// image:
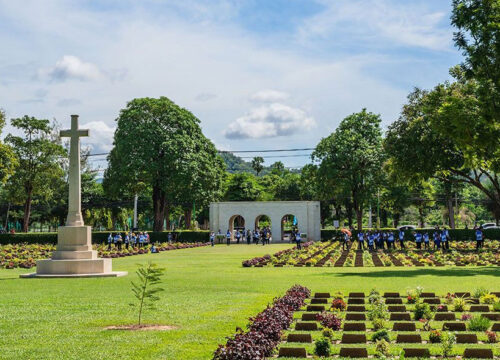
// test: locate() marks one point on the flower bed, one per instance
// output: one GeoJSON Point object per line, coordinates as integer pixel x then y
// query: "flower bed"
{"type": "Point", "coordinates": [26, 255]}
{"type": "Point", "coordinates": [330, 254]}
{"type": "Point", "coordinates": [264, 330]}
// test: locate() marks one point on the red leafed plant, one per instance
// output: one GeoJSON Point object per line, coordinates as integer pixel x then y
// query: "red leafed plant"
{"type": "Point", "coordinates": [329, 320]}
{"type": "Point", "coordinates": [339, 304]}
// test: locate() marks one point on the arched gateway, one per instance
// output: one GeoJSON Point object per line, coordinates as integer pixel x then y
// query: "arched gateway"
{"type": "Point", "coordinates": [306, 216]}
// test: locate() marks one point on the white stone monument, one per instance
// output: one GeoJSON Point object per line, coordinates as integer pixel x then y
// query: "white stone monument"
{"type": "Point", "coordinates": [74, 256]}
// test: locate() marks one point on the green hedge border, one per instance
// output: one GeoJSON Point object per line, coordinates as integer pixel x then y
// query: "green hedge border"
{"type": "Point", "coordinates": [457, 234]}
{"type": "Point", "coordinates": [102, 237]}
{"type": "Point", "coordinates": [204, 236]}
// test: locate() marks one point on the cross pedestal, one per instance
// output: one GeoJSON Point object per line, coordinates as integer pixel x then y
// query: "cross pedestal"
{"type": "Point", "coordinates": [74, 256]}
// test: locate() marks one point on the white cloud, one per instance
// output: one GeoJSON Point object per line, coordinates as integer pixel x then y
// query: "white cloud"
{"type": "Point", "coordinates": [270, 120]}
{"type": "Point", "coordinates": [100, 136]}
{"type": "Point", "coordinates": [269, 96]}
{"type": "Point", "coordinates": [71, 67]}
{"type": "Point", "coordinates": [379, 23]}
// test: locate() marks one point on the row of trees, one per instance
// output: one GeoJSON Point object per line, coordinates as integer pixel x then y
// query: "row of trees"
{"type": "Point", "coordinates": [441, 155]}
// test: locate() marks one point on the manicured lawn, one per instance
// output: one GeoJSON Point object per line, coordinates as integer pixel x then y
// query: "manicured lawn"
{"type": "Point", "coordinates": [207, 295]}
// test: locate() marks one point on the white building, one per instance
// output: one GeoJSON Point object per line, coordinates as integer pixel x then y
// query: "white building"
{"type": "Point", "coordinates": [248, 214]}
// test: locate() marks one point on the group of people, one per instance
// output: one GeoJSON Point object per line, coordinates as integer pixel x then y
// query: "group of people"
{"type": "Point", "coordinates": [375, 239]}
{"type": "Point", "coordinates": [258, 236]}
{"type": "Point", "coordinates": [263, 236]}
{"type": "Point", "coordinates": [128, 239]}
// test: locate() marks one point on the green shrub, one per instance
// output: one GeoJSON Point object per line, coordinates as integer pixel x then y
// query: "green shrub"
{"type": "Point", "coordinates": [447, 341]}
{"type": "Point", "coordinates": [322, 347]}
{"type": "Point", "coordinates": [422, 311]}
{"type": "Point", "coordinates": [496, 306]}
{"type": "Point", "coordinates": [378, 324]}
{"type": "Point", "coordinates": [478, 323]}
{"type": "Point", "coordinates": [377, 310]}
{"type": "Point", "coordinates": [459, 304]}
{"type": "Point", "coordinates": [327, 333]}
{"type": "Point", "coordinates": [381, 334]}
{"type": "Point", "coordinates": [435, 336]}
{"type": "Point", "coordinates": [480, 292]}
{"type": "Point", "coordinates": [489, 299]}
{"type": "Point", "coordinates": [382, 348]}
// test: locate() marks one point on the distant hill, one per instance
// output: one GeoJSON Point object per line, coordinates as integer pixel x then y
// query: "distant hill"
{"type": "Point", "coordinates": [235, 164]}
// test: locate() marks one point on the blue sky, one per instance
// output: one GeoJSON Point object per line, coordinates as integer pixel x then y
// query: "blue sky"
{"type": "Point", "coordinates": [259, 74]}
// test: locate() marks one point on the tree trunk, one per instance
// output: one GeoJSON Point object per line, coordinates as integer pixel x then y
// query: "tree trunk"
{"type": "Point", "coordinates": [7, 218]}
{"type": "Point", "coordinates": [349, 213]}
{"type": "Point", "coordinates": [27, 208]}
{"type": "Point", "coordinates": [383, 217]}
{"type": "Point", "coordinates": [451, 213]}
{"type": "Point", "coordinates": [167, 216]}
{"type": "Point", "coordinates": [359, 217]}
{"type": "Point", "coordinates": [187, 217]}
{"type": "Point", "coordinates": [420, 217]}
{"type": "Point", "coordinates": [395, 219]}
{"type": "Point", "coordinates": [158, 208]}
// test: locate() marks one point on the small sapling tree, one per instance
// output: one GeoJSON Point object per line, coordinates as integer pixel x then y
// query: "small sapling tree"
{"type": "Point", "coordinates": [145, 289]}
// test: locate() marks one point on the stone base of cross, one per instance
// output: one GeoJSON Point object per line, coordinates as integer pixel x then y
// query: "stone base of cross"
{"type": "Point", "coordinates": [74, 256]}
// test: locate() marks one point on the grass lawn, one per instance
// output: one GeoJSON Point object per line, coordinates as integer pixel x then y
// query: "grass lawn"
{"type": "Point", "coordinates": [207, 295]}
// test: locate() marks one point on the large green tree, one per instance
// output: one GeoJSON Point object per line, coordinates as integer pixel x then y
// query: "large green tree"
{"type": "Point", "coordinates": [478, 36]}
{"type": "Point", "coordinates": [160, 145]}
{"type": "Point", "coordinates": [8, 159]}
{"type": "Point", "coordinates": [38, 163]}
{"type": "Point", "coordinates": [351, 158]}
{"type": "Point", "coordinates": [425, 142]}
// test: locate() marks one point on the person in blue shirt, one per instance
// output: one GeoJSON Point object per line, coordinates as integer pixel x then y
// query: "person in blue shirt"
{"type": "Point", "coordinates": [361, 241]}
{"type": "Point", "coordinates": [444, 241]}
{"type": "Point", "coordinates": [401, 239]}
{"type": "Point", "coordinates": [371, 241]}
{"type": "Point", "coordinates": [133, 240]}
{"type": "Point", "coordinates": [126, 240]}
{"type": "Point", "coordinates": [390, 240]}
{"type": "Point", "coordinates": [380, 240]}
{"type": "Point", "coordinates": [345, 241]}
{"type": "Point", "coordinates": [238, 236]}
{"type": "Point", "coordinates": [426, 240]}
{"type": "Point", "coordinates": [437, 238]}
{"type": "Point", "coordinates": [446, 237]}
{"type": "Point", "coordinates": [212, 238]}
{"type": "Point", "coordinates": [418, 240]}
{"type": "Point", "coordinates": [228, 237]}
{"type": "Point", "coordinates": [298, 239]}
{"type": "Point", "coordinates": [110, 240]}
{"type": "Point", "coordinates": [479, 238]}
{"type": "Point", "coordinates": [256, 236]}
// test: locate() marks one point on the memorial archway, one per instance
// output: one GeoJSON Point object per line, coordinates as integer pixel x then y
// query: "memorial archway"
{"type": "Point", "coordinates": [262, 221]}
{"type": "Point", "coordinates": [289, 224]}
{"type": "Point", "coordinates": [306, 213]}
{"type": "Point", "coordinates": [236, 222]}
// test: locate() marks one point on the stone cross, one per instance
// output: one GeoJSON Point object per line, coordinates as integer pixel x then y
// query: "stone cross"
{"type": "Point", "coordinates": [75, 196]}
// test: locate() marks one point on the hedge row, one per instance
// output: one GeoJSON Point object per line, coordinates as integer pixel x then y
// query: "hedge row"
{"type": "Point", "coordinates": [102, 237]}
{"type": "Point", "coordinates": [457, 234]}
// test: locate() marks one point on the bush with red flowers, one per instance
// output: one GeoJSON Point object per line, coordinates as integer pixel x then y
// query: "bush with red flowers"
{"type": "Point", "coordinates": [339, 304]}
{"type": "Point", "coordinates": [264, 331]}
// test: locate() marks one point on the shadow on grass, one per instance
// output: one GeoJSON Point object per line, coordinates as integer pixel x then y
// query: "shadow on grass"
{"type": "Point", "coordinates": [421, 272]}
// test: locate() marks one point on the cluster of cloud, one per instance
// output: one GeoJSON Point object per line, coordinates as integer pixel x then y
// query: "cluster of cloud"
{"type": "Point", "coordinates": [381, 23]}
{"type": "Point", "coordinates": [71, 67]}
{"type": "Point", "coordinates": [270, 119]}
